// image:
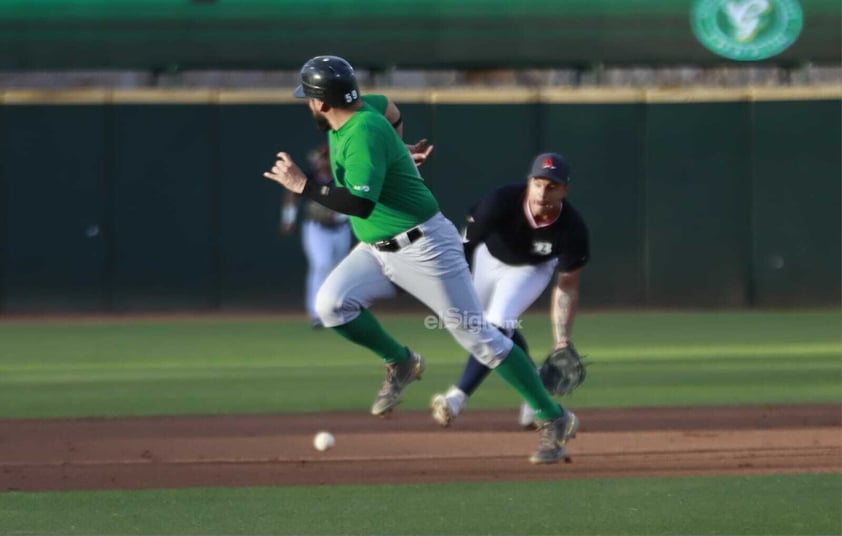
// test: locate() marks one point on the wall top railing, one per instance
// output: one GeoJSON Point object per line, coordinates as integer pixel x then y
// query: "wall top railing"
{"type": "Point", "coordinates": [454, 95]}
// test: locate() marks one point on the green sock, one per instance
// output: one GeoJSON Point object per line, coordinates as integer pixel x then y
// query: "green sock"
{"type": "Point", "coordinates": [366, 331]}
{"type": "Point", "coordinates": [519, 372]}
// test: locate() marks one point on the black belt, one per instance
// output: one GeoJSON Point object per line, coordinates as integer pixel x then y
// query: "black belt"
{"type": "Point", "coordinates": [399, 241]}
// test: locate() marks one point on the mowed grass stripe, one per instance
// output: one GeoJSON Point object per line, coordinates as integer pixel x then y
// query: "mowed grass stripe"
{"type": "Point", "coordinates": [733, 505]}
{"type": "Point", "coordinates": [630, 354]}
{"type": "Point", "coordinates": [726, 361]}
{"type": "Point", "coordinates": [272, 390]}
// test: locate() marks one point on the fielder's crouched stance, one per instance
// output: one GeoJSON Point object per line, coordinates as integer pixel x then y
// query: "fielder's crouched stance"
{"type": "Point", "coordinates": [517, 237]}
{"type": "Point", "coordinates": [404, 242]}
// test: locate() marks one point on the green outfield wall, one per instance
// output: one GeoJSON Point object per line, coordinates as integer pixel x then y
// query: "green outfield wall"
{"type": "Point", "coordinates": [381, 34]}
{"type": "Point", "coordinates": [143, 200]}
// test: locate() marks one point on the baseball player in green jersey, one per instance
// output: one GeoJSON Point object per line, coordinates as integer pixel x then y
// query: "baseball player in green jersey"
{"type": "Point", "coordinates": [325, 234]}
{"type": "Point", "coordinates": [405, 242]}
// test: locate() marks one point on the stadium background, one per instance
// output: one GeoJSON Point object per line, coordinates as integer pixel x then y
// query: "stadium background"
{"type": "Point", "coordinates": [150, 198]}
{"type": "Point", "coordinates": [132, 137]}
{"type": "Point", "coordinates": [160, 34]}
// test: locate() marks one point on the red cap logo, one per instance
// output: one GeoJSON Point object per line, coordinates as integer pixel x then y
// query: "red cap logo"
{"type": "Point", "coordinates": [548, 163]}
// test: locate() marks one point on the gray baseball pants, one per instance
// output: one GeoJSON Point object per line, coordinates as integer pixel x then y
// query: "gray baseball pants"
{"type": "Point", "coordinates": [434, 270]}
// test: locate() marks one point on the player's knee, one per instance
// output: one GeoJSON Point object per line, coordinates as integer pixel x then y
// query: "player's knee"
{"type": "Point", "coordinates": [492, 350]}
{"type": "Point", "coordinates": [336, 307]}
{"type": "Point", "coordinates": [329, 307]}
{"type": "Point", "coordinates": [509, 329]}
{"type": "Point", "coordinates": [506, 326]}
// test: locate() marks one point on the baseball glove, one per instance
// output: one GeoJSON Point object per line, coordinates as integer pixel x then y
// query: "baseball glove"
{"type": "Point", "coordinates": [562, 371]}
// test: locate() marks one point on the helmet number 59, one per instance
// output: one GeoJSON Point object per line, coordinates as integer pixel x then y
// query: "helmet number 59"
{"type": "Point", "coordinates": [352, 96]}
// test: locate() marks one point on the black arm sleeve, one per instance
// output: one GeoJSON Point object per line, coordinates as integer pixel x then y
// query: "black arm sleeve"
{"type": "Point", "coordinates": [338, 199]}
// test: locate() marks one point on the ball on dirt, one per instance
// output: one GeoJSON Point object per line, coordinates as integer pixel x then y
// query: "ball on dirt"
{"type": "Point", "coordinates": [323, 441]}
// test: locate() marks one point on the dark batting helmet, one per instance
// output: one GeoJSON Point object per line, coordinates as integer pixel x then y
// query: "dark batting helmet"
{"type": "Point", "coordinates": [330, 79]}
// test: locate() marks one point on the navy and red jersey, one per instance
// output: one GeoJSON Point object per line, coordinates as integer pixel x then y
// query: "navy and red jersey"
{"type": "Point", "coordinates": [500, 220]}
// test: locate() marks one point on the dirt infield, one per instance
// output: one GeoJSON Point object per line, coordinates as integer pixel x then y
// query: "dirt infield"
{"type": "Point", "coordinates": [175, 452]}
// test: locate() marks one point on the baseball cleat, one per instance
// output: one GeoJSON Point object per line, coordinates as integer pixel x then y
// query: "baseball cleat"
{"type": "Point", "coordinates": [441, 410]}
{"type": "Point", "coordinates": [398, 376]}
{"type": "Point", "coordinates": [447, 406]}
{"type": "Point", "coordinates": [553, 438]}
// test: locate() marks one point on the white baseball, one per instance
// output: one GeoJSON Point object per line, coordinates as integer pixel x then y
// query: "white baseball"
{"type": "Point", "coordinates": [323, 441]}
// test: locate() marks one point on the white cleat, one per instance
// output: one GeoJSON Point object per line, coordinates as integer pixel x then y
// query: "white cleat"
{"type": "Point", "coordinates": [447, 406]}
{"type": "Point", "coordinates": [441, 410]}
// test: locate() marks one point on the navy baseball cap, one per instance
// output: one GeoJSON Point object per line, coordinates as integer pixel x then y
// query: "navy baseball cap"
{"type": "Point", "coordinates": [551, 166]}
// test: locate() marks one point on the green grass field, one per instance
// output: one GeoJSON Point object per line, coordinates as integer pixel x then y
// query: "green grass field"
{"type": "Point", "coordinates": [215, 366]}
{"type": "Point", "coordinates": [258, 366]}
{"type": "Point", "coordinates": [771, 505]}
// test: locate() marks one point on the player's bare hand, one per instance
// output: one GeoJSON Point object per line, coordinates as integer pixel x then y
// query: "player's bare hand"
{"type": "Point", "coordinates": [286, 173]}
{"type": "Point", "coordinates": [420, 151]}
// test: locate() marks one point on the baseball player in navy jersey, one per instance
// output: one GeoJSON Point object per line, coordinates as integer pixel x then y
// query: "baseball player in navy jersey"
{"type": "Point", "coordinates": [518, 236]}
{"type": "Point", "coordinates": [404, 242]}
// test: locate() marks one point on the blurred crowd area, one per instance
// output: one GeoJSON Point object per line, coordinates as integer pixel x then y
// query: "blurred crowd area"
{"type": "Point", "coordinates": [673, 76]}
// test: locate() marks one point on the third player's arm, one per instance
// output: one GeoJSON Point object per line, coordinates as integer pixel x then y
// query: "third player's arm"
{"type": "Point", "coordinates": [565, 301]}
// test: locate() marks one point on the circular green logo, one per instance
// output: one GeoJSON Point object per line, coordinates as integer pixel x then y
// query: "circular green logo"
{"type": "Point", "coordinates": [747, 30]}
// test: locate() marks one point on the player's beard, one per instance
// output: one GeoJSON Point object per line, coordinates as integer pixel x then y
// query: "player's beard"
{"type": "Point", "coordinates": [543, 210]}
{"type": "Point", "coordinates": [321, 121]}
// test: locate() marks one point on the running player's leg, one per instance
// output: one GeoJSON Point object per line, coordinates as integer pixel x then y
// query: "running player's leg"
{"type": "Point", "coordinates": [433, 269]}
{"type": "Point", "coordinates": [450, 404]}
{"type": "Point", "coordinates": [343, 303]}
{"type": "Point", "coordinates": [485, 278]}
{"type": "Point", "coordinates": [515, 289]}
{"type": "Point", "coordinates": [475, 372]}
{"type": "Point", "coordinates": [343, 300]}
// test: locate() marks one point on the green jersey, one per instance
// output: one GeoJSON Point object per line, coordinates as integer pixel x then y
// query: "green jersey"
{"type": "Point", "coordinates": [369, 159]}
{"type": "Point", "coordinates": [378, 102]}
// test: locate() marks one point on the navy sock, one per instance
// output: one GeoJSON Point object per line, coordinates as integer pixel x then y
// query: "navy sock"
{"type": "Point", "coordinates": [475, 372]}
{"type": "Point", "coordinates": [472, 376]}
{"type": "Point", "coordinates": [517, 338]}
